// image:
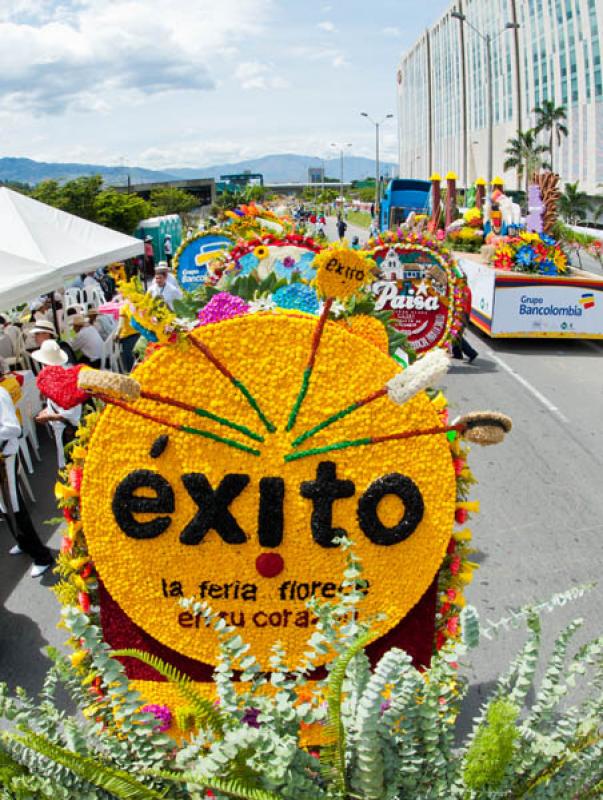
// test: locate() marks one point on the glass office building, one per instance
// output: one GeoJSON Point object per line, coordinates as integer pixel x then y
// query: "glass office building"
{"type": "Point", "coordinates": [554, 54]}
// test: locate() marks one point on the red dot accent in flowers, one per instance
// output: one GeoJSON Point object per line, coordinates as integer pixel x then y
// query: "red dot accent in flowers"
{"type": "Point", "coordinates": [269, 565]}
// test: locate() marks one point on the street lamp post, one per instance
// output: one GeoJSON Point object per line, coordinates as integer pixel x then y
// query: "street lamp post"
{"type": "Point", "coordinates": [341, 148]}
{"type": "Point", "coordinates": [377, 169]}
{"type": "Point", "coordinates": [488, 39]}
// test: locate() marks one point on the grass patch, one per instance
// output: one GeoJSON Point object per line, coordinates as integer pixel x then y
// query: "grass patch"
{"type": "Point", "coordinates": [360, 218]}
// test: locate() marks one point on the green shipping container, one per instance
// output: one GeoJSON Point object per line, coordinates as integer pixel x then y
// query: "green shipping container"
{"type": "Point", "coordinates": [157, 228]}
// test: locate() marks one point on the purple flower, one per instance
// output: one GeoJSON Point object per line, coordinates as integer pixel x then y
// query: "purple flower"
{"type": "Point", "coordinates": [385, 705]}
{"type": "Point", "coordinates": [289, 262]}
{"type": "Point", "coordinates": [250, 717]}
{"type": "Point", "coordinates": [162, 714]}
{"type": "Point", "coordinates": [222, 306]}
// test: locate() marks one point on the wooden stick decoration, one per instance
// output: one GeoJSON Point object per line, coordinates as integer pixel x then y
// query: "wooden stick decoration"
{"type": "Point", "coordinates": [318, 331]}
{"type": "Point", "coordinates": [203, 348]}
{"type": "Point", "coordinates": [183, 428]}
{"type": "Point", "coordinates": [424, 372]}
{"type": "Point", "coordinates": [202, 412]}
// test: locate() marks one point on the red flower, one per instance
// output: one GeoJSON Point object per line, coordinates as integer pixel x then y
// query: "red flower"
{"type": "Point", "coordinates": [451, 547]}
{"type": "Point", "coordinates": [455, 565]}
{"type": "Point", "coordinates": [461, 515]}
{"type": "Point", "coordinates": [84, 601]}
{"type": "Point", "coordinates": [66, 545]}
{"type": "Point", "coordinates": [440, 640]}
{"type": "Point", "coordinates": [445, 609]}
{"type": "Point", "coordinates": [67, 515]}
{"type": "Point", "coordinates": [452, 625]}
{"type": "Point", "coordinates": [87, 571]}
{"type": "Point", "coordinates": [459, 465]}
{"type": "Point", "coordinates": [451, 594]}
{"type": "Point", "coordinates": [75, 478]}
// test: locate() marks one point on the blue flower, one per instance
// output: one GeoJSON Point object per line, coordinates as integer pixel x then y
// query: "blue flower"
{"type": "Point", "coordinates": [525, 256]}
{"type": "Point", "coordinates": [546, 239]}
{"type": "Point", "coordinates": [547, 268]}
{"type": "Point", "coordinates": [297, 296]}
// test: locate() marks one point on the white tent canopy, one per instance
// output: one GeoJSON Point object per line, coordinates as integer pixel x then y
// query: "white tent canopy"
{"type": "Point", "coordinates": [41, 247]}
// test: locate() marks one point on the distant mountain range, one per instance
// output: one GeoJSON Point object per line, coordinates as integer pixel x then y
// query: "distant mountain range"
{"type": "Point", "coordinates": [275, 169]}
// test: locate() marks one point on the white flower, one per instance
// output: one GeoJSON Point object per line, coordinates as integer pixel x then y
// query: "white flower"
{"type": "Point", "coordinates": [426, 371]}
{"type": "Point", "coordinates": [261, 304]}
{"type": "Point", "coordinates": [337, 308]}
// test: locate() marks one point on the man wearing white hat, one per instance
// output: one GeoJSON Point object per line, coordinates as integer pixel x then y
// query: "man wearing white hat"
{"type": "Point", "coordinates": [44, 331]}
{"type": "Point", "coordinates": [162, 287]}
{"type": "Point", "coordinates": [63, 421]}
{"type": "Point", "coordinates": [88, 341]}
{"type": "Point", "coordinates": [167, 249]}
{"type": "Point", "coordinates": [11, 501]}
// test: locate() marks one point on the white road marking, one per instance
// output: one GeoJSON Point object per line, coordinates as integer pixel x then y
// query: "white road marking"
{"type": "Point", "coordinates": [528, 386]}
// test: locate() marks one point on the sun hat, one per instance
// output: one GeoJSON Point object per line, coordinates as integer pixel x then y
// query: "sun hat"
{"type": "Point", "coordinates": [78, 319]}
{"type": "Point", "coordinates": [43, 326]}
{"type": "Point", "coordinates": [50, 353]}
{"type": "Point", "coordinates": [162, 266]}
{"type": "Point", "coordinates": [92, 310]}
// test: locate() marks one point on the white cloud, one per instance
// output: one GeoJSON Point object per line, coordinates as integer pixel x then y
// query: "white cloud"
{"type": "Point", "coordinates": [327, 26]}
{"type": "Point", "coordinates": [333, 55]}
{"type": "Point", "coordinates": [394, 32]}
{"type": "Point", "coordinates": [97, 54]}
{"type": "Point", "coordinates": [255, 75]}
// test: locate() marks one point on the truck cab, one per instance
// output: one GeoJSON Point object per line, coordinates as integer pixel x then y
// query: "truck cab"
{"type": "Point", "coordinates": [402, 196]}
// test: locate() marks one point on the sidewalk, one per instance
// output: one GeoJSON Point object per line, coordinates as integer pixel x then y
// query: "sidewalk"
{"type": "Point", "coordinates": [353, 230]}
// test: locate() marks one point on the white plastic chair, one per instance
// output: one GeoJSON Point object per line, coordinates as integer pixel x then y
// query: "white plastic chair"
{"type": "Point", "coordinates": [73, 296]}
{"type": "Point", "coordinates": [29, 428]}
{"type": "Point", "coordinates": [21, 356]}
{"type": "Point", "coordinates": [109, 358]}
{"type": "Point", "coordinates": [93, 296]}
{"type": "Point", "coordinates": [24, 450]}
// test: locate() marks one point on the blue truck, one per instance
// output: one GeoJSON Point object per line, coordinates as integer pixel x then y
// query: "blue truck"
{"type": "Point", "coordinates": [402, 196]}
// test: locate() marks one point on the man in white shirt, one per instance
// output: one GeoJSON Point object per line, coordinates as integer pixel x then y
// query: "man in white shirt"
{"type": "Point", "coordinates": [102, 322]}
{"type": "Point", "coordinates": [17, 516]}
{"type": "Point", "coordinates": [167, 249]}
{"type": "Point", "coordinates": [88, 341]}
{"type": "Point", "coordinates": [163, 288]}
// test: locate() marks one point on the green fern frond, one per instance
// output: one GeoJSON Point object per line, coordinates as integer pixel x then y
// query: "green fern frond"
{"type": "Point", "coordinates": [235, 788]}
{"type": "Point", "coordinates": [333, 755]}
{"type": "Point", "coordinates": [205, 711]}
{"type": "Point", "coordinates": [90, 769]}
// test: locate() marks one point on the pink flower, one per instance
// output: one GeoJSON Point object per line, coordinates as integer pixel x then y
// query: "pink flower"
{"type": "Point", "coordinates": [222, 306]}
{"type": "Point", "coordinates": [162, 714]}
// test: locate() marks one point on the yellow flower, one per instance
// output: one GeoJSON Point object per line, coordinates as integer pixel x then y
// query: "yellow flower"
{"type": "Point", "coordinates": [78, 658]}
{"type": "Point", "coordinates": [340, 272]}
{"type": "Point", "coordinates": [78, 452]}
{"type": "Point", "coordinates": [64, 492]}
{"type": "Point", "coordinates": [261, 252]}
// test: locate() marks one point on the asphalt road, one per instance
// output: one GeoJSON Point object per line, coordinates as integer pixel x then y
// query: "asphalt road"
{"type": "Point", "coordinates": [540, 530]}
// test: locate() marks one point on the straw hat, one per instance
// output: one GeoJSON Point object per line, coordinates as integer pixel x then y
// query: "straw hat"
{"type": "Point", "coordinates": [78, 319]}
{"type": "Point", "coordinates": [162, 266]}
{"type": "Point", "coordinates": [43, 326]}
{"type": "Point", "coordinates": [50, 353]}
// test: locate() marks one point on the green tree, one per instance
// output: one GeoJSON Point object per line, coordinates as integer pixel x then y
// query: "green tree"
{"type": "Point", "coordinates": [171, 200]}
{"type": "Point", "coordinates": [367, 194]}
{"type": "Point", "coordinates": [254, 193]}
{"type": "Point", "coordinates": [573, 204]}
{"type": "Point", "coordinates": [525, 155]}
{"type": "Point", "coordinates": [79, 196]}
{"type": "Point", "coordinates": [119, 211]}
{"type": "Point", "coordinates": [48, 192]}
{"type": "Point", "coordinates": [551, 119]}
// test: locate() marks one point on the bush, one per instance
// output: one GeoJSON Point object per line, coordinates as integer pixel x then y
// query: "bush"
{"type": "Point", "coordinates": [387, 733]}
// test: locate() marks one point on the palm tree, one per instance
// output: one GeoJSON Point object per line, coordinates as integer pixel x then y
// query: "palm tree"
{"type": "Point", "coordinates": [525, 155]}
{"type": "Point", "coordinates": [551, 118]}
{"type": "Point", "coordinates": [573, 204]}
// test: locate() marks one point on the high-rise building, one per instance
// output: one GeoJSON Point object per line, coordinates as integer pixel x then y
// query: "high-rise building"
{"type": "Point", "coordinates": [553, 54]}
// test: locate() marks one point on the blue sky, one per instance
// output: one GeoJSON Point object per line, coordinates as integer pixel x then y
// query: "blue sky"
{"type": "Point", "coordinates": [161, 83]}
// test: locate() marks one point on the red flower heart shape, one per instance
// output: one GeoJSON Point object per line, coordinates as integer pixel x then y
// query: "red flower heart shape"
{"type": "Point", "coordinates": [60, 385]}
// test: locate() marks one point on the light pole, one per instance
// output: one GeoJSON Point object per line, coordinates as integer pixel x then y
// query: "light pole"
{"type": "Point", "coordinates": [377, 170]}
{"type": "Point", "coordinates": [341, 148]}
{"type": "Point", "coordinates": [488, 39]}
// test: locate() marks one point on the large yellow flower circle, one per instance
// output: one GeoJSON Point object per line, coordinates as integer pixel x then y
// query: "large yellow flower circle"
{"type": "Point", "coordinates": [268, 353]}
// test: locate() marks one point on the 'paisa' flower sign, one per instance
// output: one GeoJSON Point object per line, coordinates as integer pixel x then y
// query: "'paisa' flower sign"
{"type": "Point", "coordinates": [208, 486]}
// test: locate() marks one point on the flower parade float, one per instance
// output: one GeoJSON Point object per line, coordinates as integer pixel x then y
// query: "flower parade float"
{"type": "Point", "coordinates": [522, 284]}
{"type": "Point", "coordinates": [264, 565]}
{"type": "Point", "coordinates": [227, 469]}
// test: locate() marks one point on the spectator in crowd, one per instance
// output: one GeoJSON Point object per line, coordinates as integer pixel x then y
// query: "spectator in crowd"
{"type": "Point", "coordinates": [107, 283]}
{"type": "Point", "coordinates": [128, 337]}
{"type": "Point", "coordinates": [162, 288]}
{"type": "Point", "coordinates": [87, 341]}
{"type": "Point", "coordinates": [341, 228]}
{"type": "Point", "coordinates": [12, 503]}
{"type": "Point", "coordinates": [149, 257]}
{"type": "Point", "coordinates": [42, 331]}
{"type": "Point", "coordinates": [63, 421]}
{"type": "Point", "coordinates": [167, 249]}
{"type": "Point", "coordinates": [90, 281]}
{"type": "Point", "coordinates": [102, 322]}
{"type": "Point", "coordinates": [461, 345]}
{"type": "Point", "coordinates": [355, 243]}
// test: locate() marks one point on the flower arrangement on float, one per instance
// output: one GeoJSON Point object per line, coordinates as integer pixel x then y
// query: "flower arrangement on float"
{"type": "Point", "coordinates": [532, 253]}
